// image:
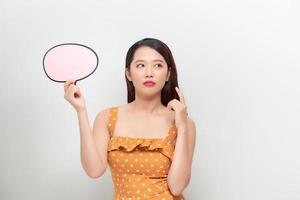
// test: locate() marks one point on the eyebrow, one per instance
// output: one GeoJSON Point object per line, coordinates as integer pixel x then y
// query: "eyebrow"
{"type": "Point", "coordinates": [144, 60]}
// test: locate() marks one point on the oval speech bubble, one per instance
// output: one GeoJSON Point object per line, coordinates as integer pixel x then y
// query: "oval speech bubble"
{"type": "Point", "coordinates": [69, 61]}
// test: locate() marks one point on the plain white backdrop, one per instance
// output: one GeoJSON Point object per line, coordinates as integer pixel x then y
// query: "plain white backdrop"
{"type": "Point", "coordinates": [238, 67]}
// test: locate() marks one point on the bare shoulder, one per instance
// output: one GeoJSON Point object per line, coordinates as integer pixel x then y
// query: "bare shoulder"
{"type": "Point", "coordinates": [103, 115]}
{"type": "Point", "coordinates": [101, 121]}
{"type": "Point", "coordinates": [191, 131]}
{"type": "Point", "coordinates": [191, 124]}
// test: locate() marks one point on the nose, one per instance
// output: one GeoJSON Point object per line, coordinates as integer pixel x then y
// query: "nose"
{"type": "Point", "coordinates": [148, 71]}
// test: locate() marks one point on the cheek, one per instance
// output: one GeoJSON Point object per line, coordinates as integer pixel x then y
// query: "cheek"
{"type": "Point", "coordinates": [137, 76]}
{"type": "Point", "coordinates": [162, 75]}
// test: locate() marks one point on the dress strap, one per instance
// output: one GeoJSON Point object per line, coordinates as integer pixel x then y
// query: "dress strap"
{"type": "Point", "coordinates": [172, 133]}
{"type": "Point", "coordinates": [113, 113]}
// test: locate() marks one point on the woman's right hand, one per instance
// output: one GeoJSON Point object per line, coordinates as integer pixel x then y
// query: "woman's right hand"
{"type": "Point", "coordinates": [73, 95]}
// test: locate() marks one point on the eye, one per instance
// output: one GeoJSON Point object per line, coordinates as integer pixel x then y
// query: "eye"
{"type": "Point", "coordinates": [139, 65]}
{"type": "Point", "coordinates": [159, 65]}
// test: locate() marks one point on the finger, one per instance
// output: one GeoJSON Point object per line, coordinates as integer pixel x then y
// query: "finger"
{"type": "Point", "coordinates": [70, 81]}
{"type": "Point", "coordinates": [170, 106]}
{"type": "Point", "coordinates": [67, 84]}
{"type": "Point", "coordinates": [71, 90]}
{"type": "Point", "coordinates": [76, 90]}
{"type": "Point", "coordinates": [180, 95]}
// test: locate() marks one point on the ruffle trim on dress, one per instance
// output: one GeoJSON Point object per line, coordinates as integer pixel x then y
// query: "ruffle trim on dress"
{"type": "Point", "coordinates": [128, 144]}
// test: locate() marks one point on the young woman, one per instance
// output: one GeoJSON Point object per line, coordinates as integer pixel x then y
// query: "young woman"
{"type": "Point", "coordinates": [148, 143]}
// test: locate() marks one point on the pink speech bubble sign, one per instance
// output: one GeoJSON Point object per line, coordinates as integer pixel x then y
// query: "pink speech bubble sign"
{"type": "Point", "coordinates": [69, 61]}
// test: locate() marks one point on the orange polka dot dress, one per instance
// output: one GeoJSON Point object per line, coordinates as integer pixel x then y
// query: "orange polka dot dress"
{"type": "Point", "coordinates": [139, 166]}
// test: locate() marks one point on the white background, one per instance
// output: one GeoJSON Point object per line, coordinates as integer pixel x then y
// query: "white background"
{"type": "Point", "coordinates": [238, 67]}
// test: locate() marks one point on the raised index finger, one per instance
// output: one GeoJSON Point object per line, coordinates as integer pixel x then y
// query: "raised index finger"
{"type": "Point", "coordinates": [180, 95]}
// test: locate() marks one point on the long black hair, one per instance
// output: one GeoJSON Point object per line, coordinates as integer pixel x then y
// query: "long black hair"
{"type": "Point", "coordinates": [168, 92]}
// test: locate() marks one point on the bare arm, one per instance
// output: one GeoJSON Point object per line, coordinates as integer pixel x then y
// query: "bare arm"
{"type": "Point", "coordinates": [180, 170]}
{"type": "Point", "coordinates": [93, 143]}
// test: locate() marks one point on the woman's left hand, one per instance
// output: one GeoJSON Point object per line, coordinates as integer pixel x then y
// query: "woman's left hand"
{"type": "Point", "coordinates": [180, 110]}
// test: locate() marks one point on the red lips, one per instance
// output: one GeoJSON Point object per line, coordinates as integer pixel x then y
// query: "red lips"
{"type": "Point", "coordinates": [149, 83]}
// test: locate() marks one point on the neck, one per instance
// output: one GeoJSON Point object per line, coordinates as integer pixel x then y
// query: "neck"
{"type": "Point", "coordinates": [147, 105]}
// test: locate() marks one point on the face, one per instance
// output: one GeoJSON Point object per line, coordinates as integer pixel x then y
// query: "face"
{"type": "Point", "coordinates": [148, 65]}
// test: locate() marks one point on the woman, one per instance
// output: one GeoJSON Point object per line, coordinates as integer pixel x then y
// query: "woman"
{"type": "Point", "coordinates": [148, 143]}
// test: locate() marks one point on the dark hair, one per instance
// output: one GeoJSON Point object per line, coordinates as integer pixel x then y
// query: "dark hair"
{"type": "Point", "coordinates": [168, 92]}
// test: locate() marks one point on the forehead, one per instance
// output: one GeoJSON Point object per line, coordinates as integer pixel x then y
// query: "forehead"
{"type": "Point", "coordinates": [147, 54]}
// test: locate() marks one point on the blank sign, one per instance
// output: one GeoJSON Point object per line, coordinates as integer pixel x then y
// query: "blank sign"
{"type": "Point", "coordinates": [69, 61]}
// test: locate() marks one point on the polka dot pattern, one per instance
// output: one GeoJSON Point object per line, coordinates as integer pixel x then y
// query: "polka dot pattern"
{"type": "Point", "coordinates": [140, 166]}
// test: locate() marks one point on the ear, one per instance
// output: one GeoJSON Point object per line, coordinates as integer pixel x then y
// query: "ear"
{"type": "Point", "coordinates": [127, 72]}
